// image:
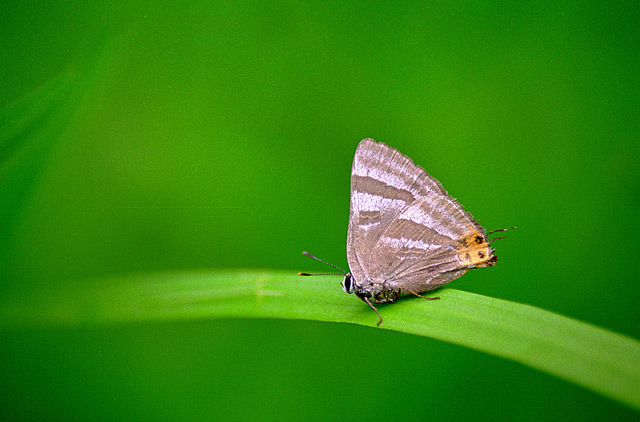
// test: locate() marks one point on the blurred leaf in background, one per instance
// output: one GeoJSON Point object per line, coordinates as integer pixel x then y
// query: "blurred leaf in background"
{"type": "Point", "coordinates": [151, 136]}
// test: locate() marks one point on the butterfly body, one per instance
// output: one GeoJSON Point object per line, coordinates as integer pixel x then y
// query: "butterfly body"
{"type": "Point", "coordinates": [406, 234]}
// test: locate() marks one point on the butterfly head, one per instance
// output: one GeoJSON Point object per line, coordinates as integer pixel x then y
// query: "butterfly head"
{"type": "Point", "coordinates": [348, 284]}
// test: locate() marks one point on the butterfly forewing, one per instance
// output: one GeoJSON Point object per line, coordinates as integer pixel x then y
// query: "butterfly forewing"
{"type": "Point", "coordinates": [383, 183]}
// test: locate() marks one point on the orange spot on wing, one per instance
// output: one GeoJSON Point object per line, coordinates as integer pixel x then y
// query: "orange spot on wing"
{"type": "Point", "coordinates": [475, 251]}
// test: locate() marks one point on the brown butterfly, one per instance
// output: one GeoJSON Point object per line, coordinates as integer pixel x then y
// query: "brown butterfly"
{"type": "Point", "coordinates": [406, 234]}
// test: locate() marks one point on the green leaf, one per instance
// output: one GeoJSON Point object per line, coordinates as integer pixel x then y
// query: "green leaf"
{"type": "Point", "coordinates": [592, 357]}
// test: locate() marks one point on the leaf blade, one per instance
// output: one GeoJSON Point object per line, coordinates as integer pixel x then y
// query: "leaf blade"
{"type": "Point", "coordinates": [595, 358]}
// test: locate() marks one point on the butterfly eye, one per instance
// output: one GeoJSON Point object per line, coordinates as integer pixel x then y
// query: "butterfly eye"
{"type": "Point", "coordinates": [347, 285]}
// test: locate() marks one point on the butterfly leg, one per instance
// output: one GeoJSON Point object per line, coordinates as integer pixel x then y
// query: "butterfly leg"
{"type": "Point", "coordinates": [368, 302]}
{"type": "Point", "coordinates": [424, 297]}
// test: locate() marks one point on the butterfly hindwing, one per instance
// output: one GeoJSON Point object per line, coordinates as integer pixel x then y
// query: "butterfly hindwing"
{"type": "Point", "coordinates": [421, 243]}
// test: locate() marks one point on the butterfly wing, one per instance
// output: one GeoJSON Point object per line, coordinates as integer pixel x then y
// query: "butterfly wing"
{"type": "Point", "coordinates": [384, 182]}
{"type": "Point", "coordinates": [420, 249]}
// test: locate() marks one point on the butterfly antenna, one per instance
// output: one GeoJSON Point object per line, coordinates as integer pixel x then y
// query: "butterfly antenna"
{"type": "Point", "coordinates": [499, 230]}
{"type": "Point", "coordinates": [342, 272]}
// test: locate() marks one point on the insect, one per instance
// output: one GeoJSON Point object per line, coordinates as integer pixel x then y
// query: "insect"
{"type": "Point", "coordinates": [406, 234]}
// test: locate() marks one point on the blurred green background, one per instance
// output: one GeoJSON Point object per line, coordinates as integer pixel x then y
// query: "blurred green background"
{"type": "Point", "coordinates": [156, 136]}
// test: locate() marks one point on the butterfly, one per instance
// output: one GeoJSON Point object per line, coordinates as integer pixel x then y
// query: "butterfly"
{"type": "Point", "coordinates": [406, 234]}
